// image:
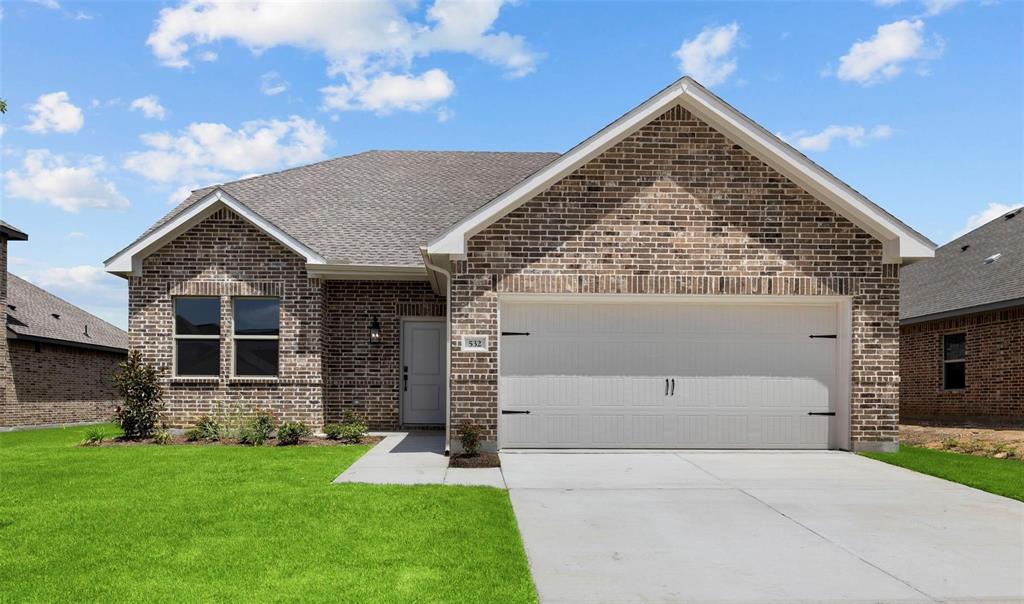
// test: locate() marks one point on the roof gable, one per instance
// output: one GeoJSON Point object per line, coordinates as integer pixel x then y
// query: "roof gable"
{"type": "Point", "coordinates": [901, 243]}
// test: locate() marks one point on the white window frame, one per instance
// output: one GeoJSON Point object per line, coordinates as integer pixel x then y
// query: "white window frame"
{"type": "Point", "coordinates": [177, 337]}
{"type": "Point", "coordinates": [235, 338]}
{"type": "Point", "coordinates": [946, 361]}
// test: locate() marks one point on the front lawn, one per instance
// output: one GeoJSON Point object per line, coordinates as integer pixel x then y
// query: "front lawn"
{"type": "Point", "coordinates": [215, 523]}
{"type": "Point", "coordinates": [1000, 476]}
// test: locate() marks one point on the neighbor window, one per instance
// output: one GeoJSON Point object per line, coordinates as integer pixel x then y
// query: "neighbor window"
{"type": "Point", "coordinates": [196, 336]}
{"type": "Point", "coordinates": [257, 326]}
{"type": "Point", "coordinates": [954, 361]}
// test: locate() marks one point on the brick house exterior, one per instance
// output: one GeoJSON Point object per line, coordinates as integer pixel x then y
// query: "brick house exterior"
{"type": "Point", "coordinates": [670, 203]}
{"type": "Point", "coordinates": [972, 291]}
{"type": "Point", "coordinates": [56, 361]}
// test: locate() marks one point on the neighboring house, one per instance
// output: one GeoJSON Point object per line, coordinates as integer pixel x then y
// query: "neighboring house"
{"type": "Point", "coordinates": [682, 278]}
{"type": "Point", "coordinates": [962, 328]}
{"type": "Point", "coordinates": [57, 361]}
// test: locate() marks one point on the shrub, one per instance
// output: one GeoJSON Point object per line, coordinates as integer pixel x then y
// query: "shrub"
{"type": "Point", "coordinates": [469, 436]}
{"type": "Point", "coordinates": [138, 386]}
{"type": "Point", "coordinates": [353, 433]}
{"type": "Point", "coordinates": [290, 433]}
{"type": "Point", "coordinates": [209, 428]}
{"type": "Point", "coordinates": [162, 436]}
{"type": "Point", "coordinates": [257, 429]}
{"type": "Point", "coordinates": [94, 436]}
{"type": "Point", "coordinates": [333, 431]}
{"type": "Point", "coordinates": [193, 434]}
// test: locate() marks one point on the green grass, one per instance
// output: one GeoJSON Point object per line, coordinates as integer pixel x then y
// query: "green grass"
{"type": "Point", "coordinates": [1000, 476]}
{"type": "Point", "coordinates": [191, 523]}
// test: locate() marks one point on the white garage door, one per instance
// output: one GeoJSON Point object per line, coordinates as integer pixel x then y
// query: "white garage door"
{"type": "Point", "coordinates": [660, 374]}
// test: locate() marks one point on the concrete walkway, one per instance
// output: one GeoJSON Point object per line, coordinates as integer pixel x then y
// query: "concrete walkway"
{"type": "Point", "coordinates": [759, 527]}
{"type": "Point", "coordinates": [415, 458]}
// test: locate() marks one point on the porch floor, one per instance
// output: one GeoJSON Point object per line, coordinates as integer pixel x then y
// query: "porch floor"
{"type": "Point", "coordinates": [415, 458]}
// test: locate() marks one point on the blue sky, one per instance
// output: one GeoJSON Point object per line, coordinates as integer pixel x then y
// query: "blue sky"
{"type": "Point", "coordinates": [115, 109]}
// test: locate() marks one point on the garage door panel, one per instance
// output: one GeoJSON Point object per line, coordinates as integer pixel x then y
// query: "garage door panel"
{"type": "Point", "coordinates": [593, 375]}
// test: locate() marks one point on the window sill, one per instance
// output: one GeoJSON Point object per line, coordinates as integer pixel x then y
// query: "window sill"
{"type": "Point", "coordinates": [184, 379]}
{"type": "Point", "coordinates": [249, 379]}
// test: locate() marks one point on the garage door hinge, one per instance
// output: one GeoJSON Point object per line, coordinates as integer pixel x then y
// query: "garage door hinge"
{"type": "Point", "coordinates": [515, 333]}
{"type": "Point", "coordinates": [830, 336]}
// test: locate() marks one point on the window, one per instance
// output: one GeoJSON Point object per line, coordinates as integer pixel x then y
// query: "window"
{"type": "Point", "coordinates": [954, 361]}
{"type": "Point", "coordinates": [196, 336]}
{"type": "Point", "coordinates": [257, 326]}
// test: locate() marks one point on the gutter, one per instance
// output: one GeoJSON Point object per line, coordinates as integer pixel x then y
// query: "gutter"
{"type": "Point", "coordinates": [960, 312]}
{"type": "Point", "coordinates": [448, 349]}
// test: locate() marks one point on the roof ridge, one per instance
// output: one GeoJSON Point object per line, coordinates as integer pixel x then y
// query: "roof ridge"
{"type": "Point", "coordinates": [55, 296]}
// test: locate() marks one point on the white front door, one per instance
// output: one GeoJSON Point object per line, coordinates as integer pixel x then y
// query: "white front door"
{"type": "Point", "coordinates": [423, 372]}
{"type": "Point", "coordinates": [668, 374]}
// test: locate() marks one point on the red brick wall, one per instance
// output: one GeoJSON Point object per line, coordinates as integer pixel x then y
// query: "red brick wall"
{"type": "Point", "coordinates": [55, 384]}
{"type": "Point", "coordinates": [363, 376]}
{"type": "Point", "coordinates": [678, 208]}
{"type": "Point", "coordinates": [995, 369]}
{"type": "Point", "coordinates": [225, 256]}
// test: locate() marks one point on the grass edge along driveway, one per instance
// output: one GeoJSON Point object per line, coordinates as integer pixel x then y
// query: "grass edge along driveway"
{"type": "Point", "coordinates": [1000, 476]}
{"type": "Point", "coordinates": [225, 523]}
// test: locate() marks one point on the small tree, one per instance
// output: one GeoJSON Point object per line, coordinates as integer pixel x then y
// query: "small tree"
{"type": "Point", "coordinates": [139, 387]}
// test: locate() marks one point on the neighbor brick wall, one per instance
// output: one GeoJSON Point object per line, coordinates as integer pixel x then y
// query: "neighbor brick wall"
{"type": "Point", "coordinates": [995, 369]}
{"type": "Point", "coordinates": [363, 376]}
{"type": "Point", "coordinates": [225, 256]}
{"type": "Point", "coordinates": [676, 208]}
{"type": "Point", "coordinates": [54, 384]}
{"type": "Point", "coordinates": [6, 376]}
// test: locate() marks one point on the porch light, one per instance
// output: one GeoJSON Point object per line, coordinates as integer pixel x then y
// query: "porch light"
{"type": "Point", "coordinates": [375, 330]}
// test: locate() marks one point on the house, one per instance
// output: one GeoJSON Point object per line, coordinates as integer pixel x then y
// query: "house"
{"type": "Point", "coordinates": [962, 328]}
{"type": "Point", "coordinates": [682, 278]}
{"type": "Point", "coordinates": [57, 361]}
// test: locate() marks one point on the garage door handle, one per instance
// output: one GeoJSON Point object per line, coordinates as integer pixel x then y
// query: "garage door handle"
{"type": "Point", "coordinates": [666, 386]}
{"type": "Point", "coordinates": [830, 413]}
{"type": "Point", "coordinates": [673, 386]}
{"type": "Point", "coordinates": [829, 336]}
{"type": "Point", "coordinates": [511, 412]}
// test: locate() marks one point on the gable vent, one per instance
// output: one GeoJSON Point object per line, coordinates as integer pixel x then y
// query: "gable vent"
{"type": "Point", "coordinates": [993, 258]}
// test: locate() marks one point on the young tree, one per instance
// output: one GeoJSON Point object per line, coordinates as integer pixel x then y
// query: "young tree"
{"type": "Point", "coordinates": [139, 387]}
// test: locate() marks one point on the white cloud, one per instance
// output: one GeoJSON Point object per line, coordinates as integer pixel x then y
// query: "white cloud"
{"type": "Point", "coordinates": [83, 276]}
{"type": "Point", "coordinates": [51, 4]}
{"type": "Point", "coordinates": [54, 111]}
{"type": "Point", "coordinates": [883, 56]}
{"type": "Point", "coordinates": [855, 136]}
{"type": "Point", "coordinates": [2, 130]}
{"type": "Point", "coordinates": [444, 114]}
{"type": "Point", "coordinates": [993, 211]}
{"type": "Point", "coordinates": [271, 83]}
{"type": "Point", "coordinates": [49, 178]}
{"type": "Point", "coordinates": [149, 106]}
{"type": "Point", "coordinates": [887, 3]}
{"type": "Point", "coordinates": [363, 42]}
{"type": "Point", "coordinates": [76, 235]}
{"type": "Point", "coordinates": [388, 92]}
{"type": "Point", "coordinates": [180, 194]}
{"type": "Point", "coordinates": [709, 58]}
{"type": "Point", "coordinates": [937, 7]}
{"type": "Point", "coordinates": [207, 56]}
{"type": "Point", "coordinates": [205, 152]}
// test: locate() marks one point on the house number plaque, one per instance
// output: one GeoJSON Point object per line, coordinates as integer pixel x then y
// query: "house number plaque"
{"type": "Point", "coordinates": [474, 343]}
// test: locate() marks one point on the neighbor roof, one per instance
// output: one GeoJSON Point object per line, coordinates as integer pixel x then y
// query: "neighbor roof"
{"type": "Point", "coordinates": [959, 280]}
{"type": "Point", "coordinates": [36, 314]}
{"type": "Point", "coordinates": [377, 207]}
{"type": "Point", "coordinates": [11, 232]}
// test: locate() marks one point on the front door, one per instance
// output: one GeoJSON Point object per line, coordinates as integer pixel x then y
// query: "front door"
{"type": "Point", "coordinates": [423, 367]}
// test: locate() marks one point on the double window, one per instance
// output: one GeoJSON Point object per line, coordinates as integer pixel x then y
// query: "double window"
{"type": "Point", "coordinates": [255, 336]}
{"type": "Point", "coordinates": [954, 361]}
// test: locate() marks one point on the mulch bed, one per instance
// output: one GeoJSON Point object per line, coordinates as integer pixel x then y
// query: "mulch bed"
{"type": "Point", "coordinates": [481, 460]}
{"type": "Point", "coordinates": [312, 441]}
{"type": "Point", "coordinates": [1000, 442]}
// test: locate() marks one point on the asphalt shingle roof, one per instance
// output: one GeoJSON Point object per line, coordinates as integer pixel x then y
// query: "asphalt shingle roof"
{"type": "Point", "coordinates": [31, 310]}
{"type": "Point", "coordinates": [958, 278]}
{"type": "Point", "coordinates": [377, 207]}
{"type": "Point", "coordinates": [12, 232]}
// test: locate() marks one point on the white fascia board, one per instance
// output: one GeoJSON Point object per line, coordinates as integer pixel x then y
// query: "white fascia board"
{"type": "Point", "coordinates": [129, 260]}
{"type": "Point", "coordinates": [899, 242]}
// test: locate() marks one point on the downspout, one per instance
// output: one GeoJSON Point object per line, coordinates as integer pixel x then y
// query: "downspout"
{"type": "Point", "coordinates": [448, 350]}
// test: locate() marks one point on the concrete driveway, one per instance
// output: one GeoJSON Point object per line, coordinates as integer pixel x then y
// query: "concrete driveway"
{"type": "Point", "coordinates": [759, 527]}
